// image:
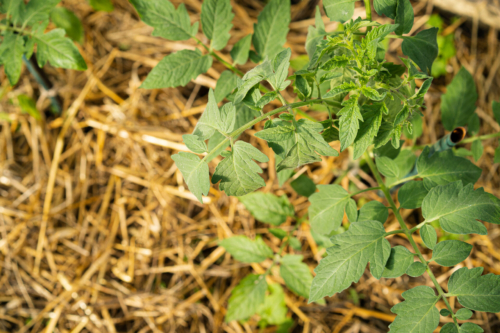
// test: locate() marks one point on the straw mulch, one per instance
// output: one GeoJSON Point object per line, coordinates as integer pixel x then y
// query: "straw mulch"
{"type": "Point", "coordinates": [98, 232]}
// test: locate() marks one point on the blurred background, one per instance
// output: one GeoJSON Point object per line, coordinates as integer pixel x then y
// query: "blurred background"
{"type": "Point", "coordinates": [127, 247]}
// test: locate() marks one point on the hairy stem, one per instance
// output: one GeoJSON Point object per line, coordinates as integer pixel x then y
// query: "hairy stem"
{"type": "Point", "coordinates": [4, 27]}
{"type": "Point", "coordinates": [368, 9]}
{"type": "Point", "coordinates": [408, 233]}
{"type": "Point", "coordinates": [216, 56]}
{"type": "Point", "coordinates": [365, 190]}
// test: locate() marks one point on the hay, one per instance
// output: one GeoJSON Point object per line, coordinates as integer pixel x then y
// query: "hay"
{"type": "Point", "coordinates": [98, 232]}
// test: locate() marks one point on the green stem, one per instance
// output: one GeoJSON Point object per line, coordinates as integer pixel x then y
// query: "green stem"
{"type": "Point", "coordinates": [481, 137]}
{"type": "Point", "coordinates": [4, 27]}
{"type": "Point", "coordinates": [216, 56]}
{"type": "Point", "coordinates": [402, 181]}
{"type": "Point", "coordinates": [399, 231]}
{"type": "Point", "coordinates": [407, 232]}
{"type": "Point", "coordinates": [365, 190]}
{"type": "Point", "coordinates": [368, 9]}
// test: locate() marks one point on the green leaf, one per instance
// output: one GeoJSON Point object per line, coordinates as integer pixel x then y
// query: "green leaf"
{"type": "Point", "coordinates": [372, 119]}
{"type": "Point", "coordinates": [177, 69]}
{"type": "Point", "coordinates": [470, 328]}
{"type": "Point", "coordinates": [339, 10]}
{"type": "Point", "coordinates": [477, 149]}
{"type": "Point", "coordinates": [295, 243]}
{"type": "Point", "coordinates": [225, 85]}
{"type": "Point", "coordinates": [422, 48]}
{"type": "Point", "coordinates": [449, 327]}
{"type": "Point", "coordinates": [350, 116]}
{"type": "Point", "coordinates": [459, 207]}
{"type": "Point", "coordinates": [463, 314]}
{"type": "Point", "coordinates": [373, 211]}
{"type": "Point", "coordinates": [213, 119]}
{"type": "Point", "coordinates": [314, 35]}
{"type": "Point", "coordinates": [11, 56]}
{"type": "Point", "coordinates": [271, 28]}
{"type": "Point", "coordinates": [59, 51]}
{"type": "Point", "coordinates": [387, 150]}
{"type": "Point", "coordinates": [375, 36]}
{"type": "Point", "coordinates": [267, 207]}
{"type": "Point", "coordinates": [297, 276]}
{"type": "Point", "coordinates": [240, 50]}
{"type": "Point", "coordinates": [327, 208]}
{"type": "Point", "coordinates": [399, 261]}
{"type": "Point", "coordinates": [496, 159]}
{"type": "Point", "coordinates": [475, 291]}
{"type": "Point", "coordinates": [387, 167]}
{"type": "Point", "coordinates": [304, 186]}
{"type": "Point", "coordinates": [168, 22]}
{"type": "Point", "coordinates": [281, 63]}
{"type": "Point", "coordinates": [280, 233]}
{"type": "Point", "coordinates": [303, 87]}
{"type": "Point", "coordinates": [351, 210]}
{"type": "Point", "coordinates": [67, 20]}
{"type": "Point", "coordinates": [28, 105]}
{"type": "Point", "coordinates": [416, 123]}
{"type": "Point", "coordinates": [459, 102]}
{"type": "Point", "coordinates": [416, 269]}
{"type": "Point", "coordinates": [402, 115]}
{"type": "Point", "coordinates": [346, 261]}
{"type": "Point", "coordinates": [444, 167]}
{"type": "Point", "coordinates": [37, 11]}
{"type": "Point", "coordinates": [237, 172]}
{"type": "Point", "coordinates": [273, 311]}
{"type": "Point", "coordinates": [451, 252]}
{"type": "Point", "coordinates": [246, 250]}
{"type": "Point", "coordinates": [216, 17]}
{"type": "Point", "coordinates": [102, 5]}
{"type": "Point", "coordinates": [473, 124]}
{"type": "Point", "coordinates": [252, 78]}
{"type": "Point", "coordinates": [338, 61]}
{"type": "Point", "coordinates": [429, 236]}
{"type": "Point", "coordinates": [343, 88]}
{"type": "Point", "coordinates": [195, 143]}
{"type": "Point", "coordinates": [195, 173]}
{"type": "Point", "coordinates": [246, 297]}
{"type": "Point", "coordinates": [12, 8]}
{"type": "Point", "coordinates": [404, 17]}
{"type": "Point", "coordinates": [411, 194]}
{"type": "Point", "coordinates": [300, 144]}
{"type": "Point", "coordinates": [495, 106]}
{"type": "Point", "coordinates": [386, 7]}
{"type": "Point", "coordinates": [418, 313]}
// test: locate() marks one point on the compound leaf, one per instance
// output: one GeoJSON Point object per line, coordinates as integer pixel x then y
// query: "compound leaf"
{"type": "Point", "coordinates": [246, 297]}
{"type": "Point", "coordinates": [238, 172]}
{"type": "Point", "coordinates": [422, 48]}
{"type": "Point", "coordinates": [346, 261]}
{"type": "Point", "coordinates": [246, 250]}
{"type": "Point", "coordinates": [297, 276]}
{"type": "Point", "coordinates": [267, 207]}
{"type": "Point", "coordinates": [418, 313]}
{"type": "Point", "coordinates": [195, 173]}
{"type": "Point", "coordinates": [459, 207]}
{"type": "Point", "coordinates": [399, 261]}
{"type": "Point", "coordinates": [475, 291]}
{"type": "Point", "coordinates": [216, 17]}
{"type": "Point", "coordinates": [451, 252]}
{"type": "Point", "coordinates": [327, 208]}
{"type": "Point", "coordinates": [271, 28]}
{"type": "Point", "coordinates": [177, 69]}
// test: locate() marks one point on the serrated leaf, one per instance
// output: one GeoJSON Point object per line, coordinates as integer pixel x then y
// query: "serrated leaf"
{"type": "Point", "coordinates": [267, 207]}
{"type": "Point", "coordinates": [252, 78]}
{"type": "Point", "coordinates": [216, 17]}
{"type": "Point", "coordinates": [280, 64]}
{"type": "Point", "coordinates": [451, 252]}
{"type": "Point", "coordinates": [411, 194]}
{"type": "Point", "coordinates": [429, 236]}
{"type": "Point", "coordinates": [37, 11]}
{"type": "Point", "coordinates": [338, 61]}
{"type": "Point", "coordinates": [246, 250]}
{"type": "Point", "coordinates": [339, 10]}
{"type": "Point", "coordinates": [386, 7]}
{"type": "Point", "coordinates": [225, 85]}
{"type": "Point", "coordinates": [416, 269]}
{"type": "Point", "coordinates": [12, 8]}
{"type": "Point", "coordinates": [399, 261]}
{"type": "Point", "coordinates": [297, 276]}
{"type": "Point", "coordinates": [194, 143]}
{"type": "Point", "coordinates": [350, 116]}
{"type": "Point", "coordinates": [237, 172]}
{"type": "Point", "coordinates": [418, 313]}
{"type": "Point", "coordinates": [422, 48]}
{"type": "Point", "coordinates": [475, 291]}
{"type": "Point", "coordinates": [213, 119]}
{"type": "Point", "coordinates": [177, 69]}
{"type": "Point", "coordinates": [402, 115]}
{"type": "Point", "coordinates": [195, 173]}
{"type": "Point", "coordinates": [371, 93]}
{"type": "Point", "coordinates": [444, 167]}
{"type": "Point", "coordinates": [273, 311]}
{"type": "Point", "coordinates": [459, 102]}
{"type": "Point", "coordinates": [463, 314]}
{"type": "Point", "coordinates": [343, 88]}
{"type": "Point", "coordinates": [168, 22]}
{"type": "Point", "coordinates": [404, 17]}
{"type": "Point", "coordinates": [477, 149]}
{"type": "Point", "coordinates": [346, 261]}
{"type": "Point", "coordinates": [327, 208]}
{"type": "Point", "coordinates": [459, 207]}
{"type": "Point", "coordinates": [240, 50]}
{"type": "Point", "coordinates": [11, 56]}
{"type": "Point", "coordinates": [271, 28]}
{"type": "Point", "coordinates": [373, 211]}
{"type": "Point", "coordinates": [375, 36]}
{"type": "Point", "coordinates": [303, 87]}
{"type": "Point", "coordinates": [67, 20]}
{"type": "Point", "coordinates": [102, 5]}
{"type": "Point", "coordinates": [246, 297]}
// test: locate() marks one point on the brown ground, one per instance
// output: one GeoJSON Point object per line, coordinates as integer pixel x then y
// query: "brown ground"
{"type": "Point", "coordinates": [127, 249]}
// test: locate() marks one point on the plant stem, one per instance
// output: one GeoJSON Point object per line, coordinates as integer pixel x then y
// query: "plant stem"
{"type": "Point", "coordinates": [368, 8]}
{"type": "Point", "coordinates": [481, 137]}
{"type": "Point", "coordinates": [365, 190]}
{"type": "Point", "coordinates": [216, 56]}
{"type": "Point", "coordinates": [408, 234]}
{"type": "Point", "coordinates": [4, 27]}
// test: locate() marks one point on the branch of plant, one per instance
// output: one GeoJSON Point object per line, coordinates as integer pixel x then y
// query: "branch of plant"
{"type": "Point", "coordinates": [408, 233]}
{"type": "Point", "coordinates": [4, 27]}
{"type": "Point", "coordinates": [365, 190]}
{"type": "Point", "coordinates": [481, 137]}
